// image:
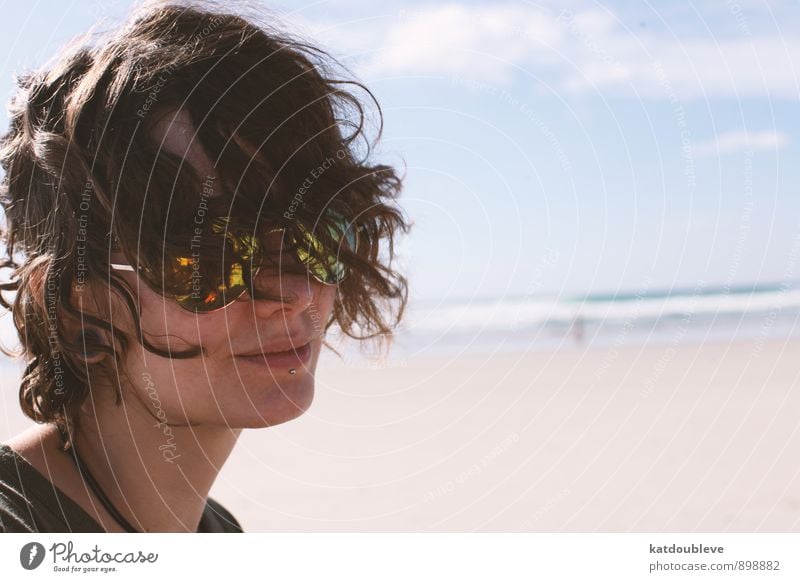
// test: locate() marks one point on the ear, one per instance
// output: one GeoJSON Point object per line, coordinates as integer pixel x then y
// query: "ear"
{"type": "Point", "coordinates": [90, 338]}
{"type": "Point", "coordinates": [87, 336]}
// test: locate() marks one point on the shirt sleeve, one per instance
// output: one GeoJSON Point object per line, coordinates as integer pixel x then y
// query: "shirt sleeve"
{"type": "Point", "coordinates": [220, 519]}
{"type": "Point", "coordinates": [10, 520]}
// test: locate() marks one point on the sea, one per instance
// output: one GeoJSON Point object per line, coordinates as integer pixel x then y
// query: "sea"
{"type": "Point", "coordinates": [443, 327]}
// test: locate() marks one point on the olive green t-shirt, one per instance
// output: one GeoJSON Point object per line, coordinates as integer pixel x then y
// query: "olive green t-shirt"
{"type": "Point", "coordinates": [30, 503]}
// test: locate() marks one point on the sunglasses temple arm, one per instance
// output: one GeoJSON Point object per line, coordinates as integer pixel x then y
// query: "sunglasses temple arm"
{"type": "Point", "coordinates": [120, 267]}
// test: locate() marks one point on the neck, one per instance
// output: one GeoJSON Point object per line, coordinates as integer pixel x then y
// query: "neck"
{"type": "Point", "coordinates": [156, 475]}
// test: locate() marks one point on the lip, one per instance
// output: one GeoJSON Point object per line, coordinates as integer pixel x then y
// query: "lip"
{"type": "Point", "coordinates": [289, 357]}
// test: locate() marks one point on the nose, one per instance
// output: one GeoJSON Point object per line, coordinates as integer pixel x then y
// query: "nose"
{"type": "Point", "coordinates": [299, 290]}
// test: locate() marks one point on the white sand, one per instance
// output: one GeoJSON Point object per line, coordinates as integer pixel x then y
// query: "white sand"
{"type": "Point", "coordinates": [693, 438]}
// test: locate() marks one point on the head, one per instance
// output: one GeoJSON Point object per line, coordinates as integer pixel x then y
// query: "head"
{"type": "Point", "coordinates": [164, 146]}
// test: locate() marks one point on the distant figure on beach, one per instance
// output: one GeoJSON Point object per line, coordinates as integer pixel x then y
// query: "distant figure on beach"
{"type": "Point", "coordinates": [189, 208]}
{"type": "Point", "coordinates": [577, 329]}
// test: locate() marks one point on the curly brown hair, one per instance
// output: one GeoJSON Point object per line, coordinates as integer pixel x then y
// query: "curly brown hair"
{"type": "Point", "coordinates": [84, 175]}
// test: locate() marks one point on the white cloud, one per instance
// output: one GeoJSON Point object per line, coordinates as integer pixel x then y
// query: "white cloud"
{"type": "Point", "coordinates": [740, 141]}
{"type": "Point", "coordinates": [483, 42]}
{"type": "Point", "coordinates": [575, 51]}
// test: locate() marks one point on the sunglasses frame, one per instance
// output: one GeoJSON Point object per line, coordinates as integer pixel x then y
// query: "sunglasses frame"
{"type": "Point", "coordinates": [253, 273]}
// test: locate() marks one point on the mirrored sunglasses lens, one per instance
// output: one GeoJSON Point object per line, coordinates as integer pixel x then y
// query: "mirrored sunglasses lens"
{"type": "Point", "coordinates": [330, 270]}
{"type": "Point", "coordinates": [206, 292]}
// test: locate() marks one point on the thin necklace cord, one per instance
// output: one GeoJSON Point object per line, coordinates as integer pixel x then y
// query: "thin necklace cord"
{"type": "Point", "coordinates": [93, 485]}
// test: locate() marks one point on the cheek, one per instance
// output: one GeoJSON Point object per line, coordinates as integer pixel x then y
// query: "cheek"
{"type": "Point", "coordinates": [182, 392]}
{"type": "Point", "coordinates": [323, 305]}
{"type": "Point", "coordinates": [168, 326]}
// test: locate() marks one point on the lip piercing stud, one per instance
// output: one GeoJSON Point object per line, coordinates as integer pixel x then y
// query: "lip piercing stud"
{"type": "Point", "coordinates": [292, 371]}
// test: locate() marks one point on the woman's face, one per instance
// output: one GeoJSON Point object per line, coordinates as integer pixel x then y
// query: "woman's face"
{"type": "Point", "coordinates": [233, 383]}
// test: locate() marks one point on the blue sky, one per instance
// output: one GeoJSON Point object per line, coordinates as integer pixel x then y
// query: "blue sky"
{"type": "Point", "coordinates": [559, 148]}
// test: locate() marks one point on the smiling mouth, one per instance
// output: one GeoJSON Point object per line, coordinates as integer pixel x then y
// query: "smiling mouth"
{"type": "Point", "coordinates": [280, 349]}
{"type": "Point", "coordinates": [292, 356]}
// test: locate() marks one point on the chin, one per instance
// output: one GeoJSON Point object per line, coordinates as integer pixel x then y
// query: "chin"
{"type": "Point", "coordinates": [285, 399]}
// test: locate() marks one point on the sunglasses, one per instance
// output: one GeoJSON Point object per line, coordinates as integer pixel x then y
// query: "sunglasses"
{"type": "Point", "coordinates": [206, 292]}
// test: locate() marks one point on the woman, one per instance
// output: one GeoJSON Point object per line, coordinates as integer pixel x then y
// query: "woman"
{"type": "Point", "coordinates": [187, 214]}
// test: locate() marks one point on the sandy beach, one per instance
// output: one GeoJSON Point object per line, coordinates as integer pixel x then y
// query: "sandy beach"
{"type": "Point", "coordinates": [689, 438]}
